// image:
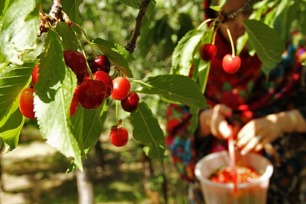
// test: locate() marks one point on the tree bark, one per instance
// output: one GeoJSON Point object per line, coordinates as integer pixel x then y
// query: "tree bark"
{"type": "Point", "coordinates": [85, 187]}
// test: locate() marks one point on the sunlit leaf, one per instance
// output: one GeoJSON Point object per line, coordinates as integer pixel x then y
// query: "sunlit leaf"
{"type": "Point", "coordinates": [283, 21]}
{"type": "Point", "coordinates": [116, 54]}
{"type": "Point", "coordinates": [10, 126]}
{"type": "Point", "coordinates": [183, 53]}
{"type": "Point", "coordinates": [53, 98]}
{"type": "Point", "coordinates": [18, 34]}
{"type": "Point", "coordinates": [12, 79]}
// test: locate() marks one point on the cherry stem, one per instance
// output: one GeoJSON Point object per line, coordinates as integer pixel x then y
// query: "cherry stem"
{"type": "Point", "coordinates": [231, 41]}
{"type": "Point", "coordinates": [203, 23]}
{"type": "Point", "coordinates": [117, 110]}
{"type": "Point", "coordinates": [214, 34]}
{"type": "Point", "coordinates": [88, 42]}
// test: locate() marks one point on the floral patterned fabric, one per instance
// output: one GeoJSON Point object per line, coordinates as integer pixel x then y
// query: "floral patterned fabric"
{"type": "Point", "coordinates": [250, 94]}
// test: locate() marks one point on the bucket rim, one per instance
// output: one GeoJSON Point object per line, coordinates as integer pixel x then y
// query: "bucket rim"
{"type": "Point", "coordinates": [263, 177]}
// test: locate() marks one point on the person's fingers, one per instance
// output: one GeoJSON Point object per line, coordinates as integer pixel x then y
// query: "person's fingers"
{"type": "Point", "coordinates": [219, 125]}
{"type": "Point", "coordinates": [250, 145]}
{"type": "Point", "coordinates": [245, 134]}
{"type": "Point", "coordinates": [269, 148]}
{"type": "Point", "coordinates": [223, 110]}
{"type": "Point", "coordinates": [225, 130]}
{"type": "Point", "coordinates": [258, 147]}
{"type": "Point", "coordinates": [242, 141]}
{"type": "Point", "coordinates": [248, 129]}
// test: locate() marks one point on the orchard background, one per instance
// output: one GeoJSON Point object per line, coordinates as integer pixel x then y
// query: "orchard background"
{"type": "Point", "coordinates": [151, 43]}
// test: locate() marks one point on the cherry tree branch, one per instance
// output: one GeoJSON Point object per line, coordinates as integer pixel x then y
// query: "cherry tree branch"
{"type": "Point", "coordinates": [142, 11]}
{"type": "Point", "coordinates": [57, 3]}
{"type": "Point", "coordinates": [246, 7]}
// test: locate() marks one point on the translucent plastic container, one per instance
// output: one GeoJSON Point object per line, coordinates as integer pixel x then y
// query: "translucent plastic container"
{"type": "Point", "coordinates": [254, 192]}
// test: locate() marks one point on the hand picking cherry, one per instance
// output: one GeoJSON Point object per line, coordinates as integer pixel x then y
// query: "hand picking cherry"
{"type": "Point", "coordinates": [91, 93]}
{"type": "Point", "coordinates": [130, 103]}
{"type": "Point", "coordinates": [26, 103]}
{"type": "Point", "coordinates": [208, 52]}
{"type": "Point", "coordinates": [119, 136]}
{"type": "Point", "coordinates": [231, 64]}
{"type": "Point", "coordinates": [121, 88]}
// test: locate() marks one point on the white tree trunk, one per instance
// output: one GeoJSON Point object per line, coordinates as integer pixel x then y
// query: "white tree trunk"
{"type": "Point", "coordinates": [85, 187]}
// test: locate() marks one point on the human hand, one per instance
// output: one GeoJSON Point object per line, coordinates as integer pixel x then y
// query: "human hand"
{"type": "Point", "coordinates": [258, 133]}
{"type": "Point", "coordinates": [213, 121]}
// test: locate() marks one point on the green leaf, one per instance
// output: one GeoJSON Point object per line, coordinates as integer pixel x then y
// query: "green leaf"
{"type": "Point", "coordinates": [219, 6]}
{"type": "Point", "coordinates": [13, 79]}
{"type": "Point", "coordinates": [3, 6]}
{"type": "Point", "coordinates": [183, 53]}
{"type": "Point", "coordinates": [203, 69]}
{"type": "Point", "coordinates": [18, 34]}
{"type": "Point", "coordinates": [54, 91]}
{"type": "Point", "coordinates": [131, 3]}
{"type": "Point", "coordinates": [174, 88]}
{"type": "Point", "coordinates": [194, 118]}
{"type": "Point", "coordinates": [68, 35]}
{"type": "Point", "coordinates": [71, 8]}
{"type": "Point", "coordinates": [148, 132]}
{"type": "Point", "coordinates": [283, 21]}
{"type": "Point", "coordinates": [11, 125]}
{"type": "Point", "coordinates": [266, 41]}
{"type": "Point", "coordinates": [87, 125]}
{"type": "Point", "coordinates": [116, 54]}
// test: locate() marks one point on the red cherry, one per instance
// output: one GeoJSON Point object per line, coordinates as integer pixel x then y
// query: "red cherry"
{"type": "Point", "coordinates": [231, 64]}
{"type": "Point", "coordinates": [101, 63]}
{"type": "Point", "coordinates": [119, 136]}
{"type": "Point", "coordinates": [208, 52]}
{"type": "Point", "coordinates": [91, 93]}
{"type": "Point", "coordinates": [121, 88]}
{"type": "Point", "coordinates": [26, 103]}
{"type": "Point", "coordinates": [106, 79]}
{"type": "Point", "coordinates": [35, 74]}
{"type": "Point", "coordinates": [77, 62]}
{"type": "Point", "coordinates": [74, 104]}
{"type": "Point", "coordinates": [130, 103]}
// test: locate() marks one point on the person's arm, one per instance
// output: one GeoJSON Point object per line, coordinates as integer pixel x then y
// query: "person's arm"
{"type": "Point", "coordinates": [213, 122]}
{"type": "Point", "coordinates": [291, 121]}
{"type": "Point", "coordinates": [258, 133]}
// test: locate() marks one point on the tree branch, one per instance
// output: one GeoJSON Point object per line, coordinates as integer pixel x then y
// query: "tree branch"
{"type": "Point", "coordinates": [142, 11]}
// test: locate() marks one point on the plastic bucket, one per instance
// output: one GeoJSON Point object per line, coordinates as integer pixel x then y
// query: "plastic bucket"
{"type": "Point", "coordinates": [254, 192]}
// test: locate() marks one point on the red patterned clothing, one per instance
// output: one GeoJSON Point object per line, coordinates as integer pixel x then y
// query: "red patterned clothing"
{"type": "Point", "coordinates": [251, 94]}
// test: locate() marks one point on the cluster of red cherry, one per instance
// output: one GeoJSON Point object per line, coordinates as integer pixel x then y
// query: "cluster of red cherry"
{"type": "Point", "coordinates": [230, 62]}
{"type": "Point", "coordinates": [91, 91]}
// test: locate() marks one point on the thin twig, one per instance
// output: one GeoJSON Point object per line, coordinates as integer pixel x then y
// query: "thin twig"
{"type": "Point", "coordinates": [142, 11]}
